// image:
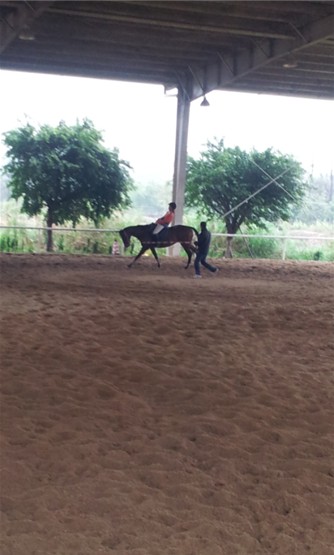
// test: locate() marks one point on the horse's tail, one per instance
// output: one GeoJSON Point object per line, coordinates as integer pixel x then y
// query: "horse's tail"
{"type": "Point", "coordinates": [196, 232]}
{"type": "Point", "coordinates": [121, 234]}
{"type": "Point", "coordinates": [124, 237]}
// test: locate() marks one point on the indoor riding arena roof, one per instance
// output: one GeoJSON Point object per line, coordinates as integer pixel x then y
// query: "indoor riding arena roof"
{"type": "Point", "coordinates": [282, 48]}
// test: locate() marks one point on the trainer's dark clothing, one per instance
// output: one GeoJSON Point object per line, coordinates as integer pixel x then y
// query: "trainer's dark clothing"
{"type": "Point", "coordinates": [204, 240]}
{"type": "Point", "coordinates": [203, 245]}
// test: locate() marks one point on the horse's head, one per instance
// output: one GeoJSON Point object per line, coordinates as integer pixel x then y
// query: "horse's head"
{"type": "Point", "coordinates": [125, 237]}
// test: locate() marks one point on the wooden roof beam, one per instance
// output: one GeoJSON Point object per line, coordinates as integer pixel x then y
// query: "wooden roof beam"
{"type": "Point", "coordinates": [233, 68]}
{"type": "Point", "coordinates": [220, 29]}
{"type": "Point", "coordinates": [20, 17]}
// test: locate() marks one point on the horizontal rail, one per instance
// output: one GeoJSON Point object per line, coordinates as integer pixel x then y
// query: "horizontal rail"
{"type": "Point", "coordinates": [238, 235]}
{"type": "Point", "coordinates": [58, 228]}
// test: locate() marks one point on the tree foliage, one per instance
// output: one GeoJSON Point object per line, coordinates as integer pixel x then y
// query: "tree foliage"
{"type": "Point", "coordinates": [222, 179]}
{"type": "Point", "coordinates": [67, 172]}
{"type": "Point", "coordinates": [318, 203]}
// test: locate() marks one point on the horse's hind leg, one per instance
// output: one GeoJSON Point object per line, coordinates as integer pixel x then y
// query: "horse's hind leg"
{"type": "Point", "coordinates": [154, 252]}
{"type": "Point", "coordinates": [142, 250]}
{"type": "Point", "coordinates": [189, 253]}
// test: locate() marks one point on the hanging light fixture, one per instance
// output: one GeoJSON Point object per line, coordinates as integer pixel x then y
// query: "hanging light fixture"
{"type": "Point", "coordinates": [26, 34]}
{"type": "Point", "coordinates": [290, 63]}
{"type": "Point", "coordinates": [205, 102]}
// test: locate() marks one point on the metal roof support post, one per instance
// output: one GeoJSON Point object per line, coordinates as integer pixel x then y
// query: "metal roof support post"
{"type": "Point", "coordinates": [180, 160]}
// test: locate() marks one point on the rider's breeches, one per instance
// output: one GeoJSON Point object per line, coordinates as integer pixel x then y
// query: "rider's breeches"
{"type": "Point", "coordinates": [158, 228]}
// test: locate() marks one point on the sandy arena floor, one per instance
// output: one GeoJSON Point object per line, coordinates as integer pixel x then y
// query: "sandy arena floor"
{"type": "Point", "coordinates": [147, 413]}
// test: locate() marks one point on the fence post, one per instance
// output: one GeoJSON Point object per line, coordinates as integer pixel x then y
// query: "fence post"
{"type": "Point", "coordinates": [284, 249]}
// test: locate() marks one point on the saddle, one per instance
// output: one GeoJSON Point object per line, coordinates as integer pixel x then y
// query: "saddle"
{"type": "Point", "coordinates": [161, 236]}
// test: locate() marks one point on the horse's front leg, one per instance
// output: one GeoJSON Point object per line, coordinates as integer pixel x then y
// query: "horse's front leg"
{"type": "Point", "coordinates": [142, 250]}
{"type": "Point", "coordinates": [154, 252]}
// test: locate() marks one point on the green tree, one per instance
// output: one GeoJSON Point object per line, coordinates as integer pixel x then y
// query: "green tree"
{"type": "Point", "coordinates": [233, 185]}
{"type": "Point", "coordinates": [318, 204]}
{"type": "Point", "coordinates": [65, 173]}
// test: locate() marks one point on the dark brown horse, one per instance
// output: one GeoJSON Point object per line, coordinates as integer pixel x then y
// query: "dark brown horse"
{"type": "Point", "coordinates": [175, 234]}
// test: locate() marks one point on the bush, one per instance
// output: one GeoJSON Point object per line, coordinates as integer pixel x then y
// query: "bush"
{"type": "Point", "coordinates": [243, 247]}
{"type": "Point", "coordinates": [300, 251]}
{"type": "Point", "coordinates": [265, 248]}
{"type": "Point", "coordinates": [18, 240]}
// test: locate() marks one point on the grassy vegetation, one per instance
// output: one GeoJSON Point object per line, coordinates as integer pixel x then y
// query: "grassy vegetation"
{"type": "Point", "coordinates": [94, 242]}
{"type": "Point", "coordinates": [310, 248]}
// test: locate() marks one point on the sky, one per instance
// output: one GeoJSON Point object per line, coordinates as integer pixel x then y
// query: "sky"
{"type": "Point", "coordinates": [140, 120]}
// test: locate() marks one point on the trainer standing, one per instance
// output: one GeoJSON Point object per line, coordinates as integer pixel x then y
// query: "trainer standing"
{"type": "Point", "coordinates": [203, 244]}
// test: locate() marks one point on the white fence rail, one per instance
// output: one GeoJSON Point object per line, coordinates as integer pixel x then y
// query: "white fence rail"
{"type": "Point", "coordinates": [35, 242]}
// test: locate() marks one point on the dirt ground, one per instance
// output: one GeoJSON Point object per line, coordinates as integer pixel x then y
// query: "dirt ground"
{"type": "Point", "coordinates": [147, 413]}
